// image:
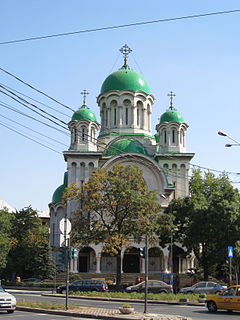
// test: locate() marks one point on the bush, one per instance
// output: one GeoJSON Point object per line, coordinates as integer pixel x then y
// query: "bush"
{"type": "Point", "coordinates": [126, 306]}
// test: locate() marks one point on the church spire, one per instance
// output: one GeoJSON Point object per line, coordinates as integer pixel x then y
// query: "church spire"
{"type": "Point", "coordinates": [84, 93]}
{"type": "Point", "coordinates": [171, 95]}
{"type": "Point", "coordinates": [125, 50]}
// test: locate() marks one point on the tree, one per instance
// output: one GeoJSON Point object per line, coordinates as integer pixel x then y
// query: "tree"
{"type": "Point", "coordinates": [5, 237]}
{"type": "Point", "coordinates": [209, 220]}
{"type": "Point", "coordinates": [30, 253]}
{"type": "Point", "coordinates": [115, 206]}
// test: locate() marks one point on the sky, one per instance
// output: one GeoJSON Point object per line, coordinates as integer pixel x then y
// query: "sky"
{"type": "Point", "coordinates": [197, 59]}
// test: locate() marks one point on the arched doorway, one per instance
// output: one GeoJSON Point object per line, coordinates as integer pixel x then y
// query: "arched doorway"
{"type": "Point", "coordinates": [87, 260]}
{"type": "Point", "coordinates": [131, 260]}
{"type": "Point", "coordinates": [155, 260]}
{"type": "Point", "coordinates": [179, 260]}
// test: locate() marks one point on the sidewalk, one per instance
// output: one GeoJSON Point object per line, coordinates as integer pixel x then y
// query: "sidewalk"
{"type": "Point", "coordinates": [105, 314]}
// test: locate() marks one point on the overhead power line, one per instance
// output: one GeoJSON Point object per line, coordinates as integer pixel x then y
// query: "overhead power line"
{"type": "Point", "coordinates": [43, 145]}
{"type": "Point", "coordinates": [41, 134]}
{"type": "Point", "coordinates": [24, 95]}
{"type": "Point", "coordinates": [7, 106]}
{"type": "Point", "coordinates": [122, 26]}
{"type": "Point", "coordinates": [33, 110]}
{"type": "Point", "coordinates": [39, 91]}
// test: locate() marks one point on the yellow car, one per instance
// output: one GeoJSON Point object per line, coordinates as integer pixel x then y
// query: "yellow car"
{"type": "Point", "coordinates": [229, 300]}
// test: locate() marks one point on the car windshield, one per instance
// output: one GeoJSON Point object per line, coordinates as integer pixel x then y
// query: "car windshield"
{"type": "Point", "coordinates": [1, 289]}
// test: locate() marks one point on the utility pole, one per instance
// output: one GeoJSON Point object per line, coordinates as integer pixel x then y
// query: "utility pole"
{"type": "Point", "coordinates": [146, 274]}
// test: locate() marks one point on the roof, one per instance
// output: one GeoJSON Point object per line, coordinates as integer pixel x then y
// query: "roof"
{"type": "Point", "coordinates": [58, 193]}
{"type": "Point", "coordinates": [126, 145]}
{"type": "Point", "coordinates": [125, 79]}
{"type": "Point", "coordinates": [171, 115]}
{"type": "Point", "coordinates": [84, 113]}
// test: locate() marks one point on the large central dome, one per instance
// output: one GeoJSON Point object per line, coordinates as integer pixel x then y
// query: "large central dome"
{"type": "Point", "coordinates": [125, 79]}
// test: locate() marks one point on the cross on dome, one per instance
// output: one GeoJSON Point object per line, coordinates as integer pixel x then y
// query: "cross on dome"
{"type": "Point", "coordinates": [125, 50]}
{"type": "Point", "coordinates": [84, 93]}
{"type": "Point", "coordinates": [171, 95]}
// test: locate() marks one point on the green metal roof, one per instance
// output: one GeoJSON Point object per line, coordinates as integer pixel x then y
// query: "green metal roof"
{"type": "Point", "coordinates": [58, 193]}
{"type": "Point", "coordinates": [125, 79]}
{"type": "Point", "coordinates": [84, 113]}
{"type": "Point", "coordinates": [171, 115]}
{"type": "Point", "coordinates": [125, 146]}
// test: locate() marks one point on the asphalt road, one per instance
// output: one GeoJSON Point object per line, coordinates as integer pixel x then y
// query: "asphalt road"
{"type": "Point", "coordinates": [194, 312]}
{"type": "Point", "coordinates": [20, 315]}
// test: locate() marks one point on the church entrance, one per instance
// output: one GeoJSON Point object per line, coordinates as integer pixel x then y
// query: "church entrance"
{"type": "Point", "coordinates": [131, 261]}
{"type": "Point", "coordinates": [87, 259]}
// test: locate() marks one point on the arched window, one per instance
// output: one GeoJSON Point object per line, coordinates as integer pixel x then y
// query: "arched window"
{"type": "Point", "coordinates": [83, 134]}
{"type": "Point", "coordinates": [92, 134]}
{"type": "Point", "coordinates": [82, 171]}
{"type": "Point", "coordinates": [73, 171]}
{"type": "Point", "coordinates": [182, 137]}
{"type": "Point", "coordinates": [165, 136]}
{"type": "Point", "coordinates": [173, 136]}
{"type": "Point", "coordinates": [126, 116]}
{"type": "Point", "coordinates": [139, 113]}
{"type": "Point", "coordinates": [91, 168]}
{"type": "Point", "coordinates": [115, 116]}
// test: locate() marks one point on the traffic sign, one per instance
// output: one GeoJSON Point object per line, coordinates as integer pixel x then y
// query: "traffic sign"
{"type": "Point", "coordinates": [230, 252]}
{"type": "Point", "coordinates": [65, 224]}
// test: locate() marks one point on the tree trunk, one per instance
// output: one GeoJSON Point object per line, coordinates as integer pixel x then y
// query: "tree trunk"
{"type": "Point", "coordinates": [205, 263]}
{"type": "Point", "coordinates": [118, 271]}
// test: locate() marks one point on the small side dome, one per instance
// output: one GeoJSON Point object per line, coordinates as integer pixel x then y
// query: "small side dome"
{"type": "Point", "coordinates": [125, 79]}
{"type": "Point", "coordinates": [171, 115]}
{"type": "Point", "coordinates": [125, 146]}
{"type": "Point", "coordinates": [58, 193]}
{"type": "Point", "coordinates": [84, 113]}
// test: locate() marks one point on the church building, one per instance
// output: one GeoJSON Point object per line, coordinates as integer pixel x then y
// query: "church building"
{"type": "Point", "coordinates": [124, 135]}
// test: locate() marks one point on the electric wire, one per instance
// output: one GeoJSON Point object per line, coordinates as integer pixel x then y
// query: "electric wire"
{"type": "Point", "coordinates": [194, 16]}
{"type": "Point", "coordinates": [204, 168]}
{"type": "Point", "coordinates": [33, 110]}
{"type": "Point", "coordinates": [7, 106]}
{"type": "Point", "coordinates": [30, 135]}
{"type": "Point", "coordinates": [39, 91]}
{"type": "Point", "coordinates": [43, 145]}
{"type": "Point", "coordinates": [22, 125]}
{"type": "Point", "coordinates": [33, 105]}
{"type": "Point", "coordinates": [24, 95]}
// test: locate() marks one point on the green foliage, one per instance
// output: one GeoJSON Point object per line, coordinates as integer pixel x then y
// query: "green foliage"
{"type": "Point", "coordinates": [209, 221]}
{"type": "Point", "coordinates": [30, 251]}
{"type": "Point", "coordinates": [115, 206]}
{"type": "Point", "coordinates": [5, 236]}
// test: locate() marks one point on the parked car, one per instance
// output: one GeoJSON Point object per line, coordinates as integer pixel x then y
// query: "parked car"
{"type": "Point", "coordinates": [7, 301]}
{"type": "Point", "coordinates": [154, 286]}
{"type": "Point", "coordinates": [227, 300]}
{"type": "Point", "coordinates": [204, 287]}
{"type": "Point", "coordinates": [85, 285]}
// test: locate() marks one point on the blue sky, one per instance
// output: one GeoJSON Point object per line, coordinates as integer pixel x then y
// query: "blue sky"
{"type": "Point", "coordinates": [198, 59]}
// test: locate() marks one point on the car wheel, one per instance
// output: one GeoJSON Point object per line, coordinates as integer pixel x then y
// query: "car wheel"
{"type": "Point", "coordinates": [162, 291]}
{"type": "Point", "coordinates": [10, 311]}
{"type": "Point", "coordinates": [217, 292]}
{"type": "Point", "coordinates": [212, 307]}
{"type": "Point", "coordinates": [63, 291]}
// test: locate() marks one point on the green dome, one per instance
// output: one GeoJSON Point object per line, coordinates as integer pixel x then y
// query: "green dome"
{"type": "Point", "coordinates": [171, 115]}
{"type": "Point", "coordinates": [125, 79]}
{"type": "Point", "coordinates": [58, 193]}
{"type": "Point", "coordinates": [125, 146]}
{"type": "Point", "coordinates": [84, 113]}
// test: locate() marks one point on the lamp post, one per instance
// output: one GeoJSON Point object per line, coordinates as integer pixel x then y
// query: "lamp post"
{"type": "Point", "coordinates": [224, 134]}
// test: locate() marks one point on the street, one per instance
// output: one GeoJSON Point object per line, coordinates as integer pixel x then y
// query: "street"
{"type": "Point", "coordinates": [194, 312]}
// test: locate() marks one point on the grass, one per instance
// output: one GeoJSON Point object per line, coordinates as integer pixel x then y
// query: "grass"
{"type": "Point", "coordinates": [136, 295]}
{"type": "Point", "coordinates": [44, 305]}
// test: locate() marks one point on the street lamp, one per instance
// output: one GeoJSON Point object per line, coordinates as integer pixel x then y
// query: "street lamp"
{"type": "Point", "coordinates": [224, 134]}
